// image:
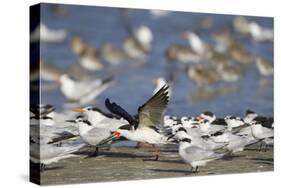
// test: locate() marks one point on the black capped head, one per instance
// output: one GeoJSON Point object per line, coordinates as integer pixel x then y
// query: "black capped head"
{"type": "Point", "coordinates": [91, 108]}
{"type": "Point", "coordinates": [46, 117]}
{"type": "Point", "coordinates": [249, 112]}
{"type": "Point", "coordinates": [181, 129]}
{"type": "Point", "coordinates": [208, 113]}
{"type": "Point", "coordinates": [185, 140]}
{"type": "Point", "coordinates": [229, 118]}
{"type": "Point", "coordinates": [81, 118]}
{"type": "Point", "coordinates": [87, 122]}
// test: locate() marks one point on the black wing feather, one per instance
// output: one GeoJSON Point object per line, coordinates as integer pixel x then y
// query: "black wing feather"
{"type": "Point", "coordinates": [116, 109]}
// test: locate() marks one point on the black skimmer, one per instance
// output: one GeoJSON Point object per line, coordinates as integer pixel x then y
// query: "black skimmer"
{"type": "Point", "coordinates": [146, 128]}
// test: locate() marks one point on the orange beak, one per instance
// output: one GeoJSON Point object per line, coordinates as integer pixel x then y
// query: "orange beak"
{"type": "Point", "coordinates": [78, 110]}
{"type": "Point", "coordinates": [116, 134]}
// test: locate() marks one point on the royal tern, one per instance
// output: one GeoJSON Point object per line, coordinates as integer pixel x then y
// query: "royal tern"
{"type": "Point", "coordinates": [92, 134]}
{"type": "Point", "coordinates": [251, 116]}
{"type": "Point", "coordinates": [235, 143]}
{"type": "Point", "coordinates": [197, 137]}
{"type": "Point", "coordinates": [83, 92]}
{"type": "Point", "coordinates": [233, 122]}
{"type": "Point", "coordinates": [192, 154]}
{"type": "Point", "coordinates": [49, 153]}
{"type": "Point", "coordinates": [261, 133]}
{"type": "Point", "coordinates": [100, 118]}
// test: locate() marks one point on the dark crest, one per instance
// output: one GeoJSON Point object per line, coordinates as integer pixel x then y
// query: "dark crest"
{"type": "Point", "coordinates": [87, 122]}
{"type": "Point", "coordinates": [208, 113]}
{"type": "Point", "coordinates": [181, 129]}
{"type": "Point", "coordinates": [186, 140]}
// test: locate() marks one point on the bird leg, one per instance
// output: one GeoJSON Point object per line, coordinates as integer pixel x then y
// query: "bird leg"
{"type": "Point", "coordinates": [196, 169]}
{"type": "Point", "coordinates": [228, 156]}
{"type": "Point", "coordinates": [42, 167]}
{"type": "Point", "coordinates": [191, 170]}
{"type": "Point", "coordinates": [156, 149]}
{"type": "Point", "coordinates": [156, 152]}
{"type": "Point", "coordinates": [93, 154]}
{"type": "Point", "coordinates": [138, 145]}
{"type": "Point", "coordinates": [96, 151]}
{"type": "Point", "coordinates": [265, 148]}
{"type": "Point", "coordinates": [260, 147]}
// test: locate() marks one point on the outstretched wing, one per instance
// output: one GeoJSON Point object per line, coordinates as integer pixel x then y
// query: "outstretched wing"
{"type": "Point", "coordinates": [118, 110]}
{"type": "Point", "coordinates": [150, 114]}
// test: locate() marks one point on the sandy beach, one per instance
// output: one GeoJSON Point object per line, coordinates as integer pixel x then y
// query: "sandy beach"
{"type": "Point", "coordinates": [128, 163]}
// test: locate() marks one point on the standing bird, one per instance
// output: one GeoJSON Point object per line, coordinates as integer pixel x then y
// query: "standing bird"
{"type": "Point", "coordinates": [183, 54]}
{"type": "Point", "coordinates": [146, 128]}
{"type": "Point", "coordinates": [44, 34]}
{"type": "Point", "coordinates": [195, 42]}
{"type": "Point", "coordinates": [233, 122]}
{"type": "Point", "coordinates": [138, 44]}
{"type": "Point", "coordinates": [202, 74]}
{"type": "Point", "coordinates": [194, 155]}
{"type": "Point", "coordinates": [251, 116]}
{"type": "Point", "coordinates": [260, 34]}
{"type": "Point", "coordinates": [113, 55]}
{"type": "Point", "coordinates": [92, 134]}
{"type": "Point", "coordinates": [100, 118]}
{"type": "Point", "coordinates": [261, 133]}
{"type": "Point", "coordinates": [88, 56]}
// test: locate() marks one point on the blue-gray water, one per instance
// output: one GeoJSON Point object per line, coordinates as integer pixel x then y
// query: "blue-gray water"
{"type": "Point", "coordinates": [132, 85]}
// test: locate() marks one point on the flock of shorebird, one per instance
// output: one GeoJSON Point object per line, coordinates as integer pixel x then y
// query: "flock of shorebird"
{"type": "Point", "coordinates": [55, 136]}
{"type": "Point", "coordinates": [224, 60]}
{"type": "Point", "coordinates": [200, 139]}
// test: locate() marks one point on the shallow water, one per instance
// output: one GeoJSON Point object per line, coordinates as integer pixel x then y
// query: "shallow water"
{"type": "Point", "coordinates": [132, 82]}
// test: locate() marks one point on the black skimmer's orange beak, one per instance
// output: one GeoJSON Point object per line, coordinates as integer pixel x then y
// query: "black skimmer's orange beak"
{"type": "Point", "coordinates": [116, 134]}
{"type": "Point", "coordinates": [78, 110]}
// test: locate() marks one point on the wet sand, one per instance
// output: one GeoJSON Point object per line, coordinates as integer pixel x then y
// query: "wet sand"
{"type": "Point", "coordinates": [128, 163]}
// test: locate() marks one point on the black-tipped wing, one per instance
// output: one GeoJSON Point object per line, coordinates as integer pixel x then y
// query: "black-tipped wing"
{"type": "Point", "coordinates": [151, 113]}
{"type": "Point", "coordinates": [118, 110]}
